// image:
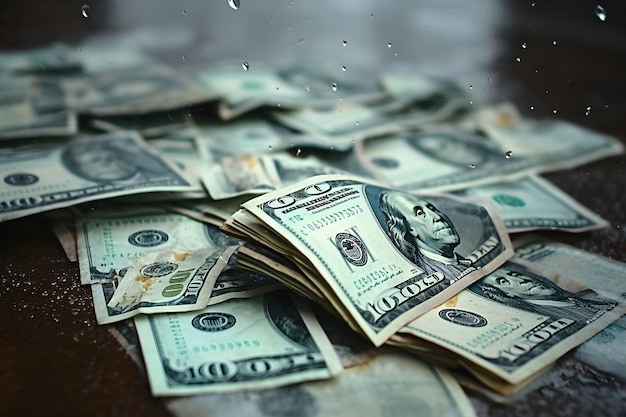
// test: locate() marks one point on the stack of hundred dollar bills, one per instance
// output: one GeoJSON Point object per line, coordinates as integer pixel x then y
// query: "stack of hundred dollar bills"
{"type": "Point", "coordinates": [237, 214]}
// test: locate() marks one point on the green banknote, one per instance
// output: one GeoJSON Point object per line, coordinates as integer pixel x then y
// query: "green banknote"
{"type": "Point", "coordinates": [162, 281]}
{"type": "Point", "coordinates": [34, 106]}
{"type": "Point", "coordinates": [477, 151]}
{"type": "Point", "coordinates": [533, 203]}
{"type": "Point", "coordinates": [606, 276]}
{"type": "Point", "coordinates": [381, 256]}
{"type": "Point", "coordinates": [391, 384]}
{"type": "Point", "coordinates": [247, 86]}
{"type": "Point", "coordinates": [39, 178]}
{"type": "Point", "coordinates": [514, 323]}
{"type": "Point", "coordinates": [249, 344]}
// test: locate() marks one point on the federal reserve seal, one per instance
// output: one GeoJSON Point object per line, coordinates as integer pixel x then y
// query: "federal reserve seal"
{"type": "Point", "coordinates": [463, 317]}
{"type": "Point", "coordinates": [158, 269]}
{"type": "Point", "coordinates": [213, 322]}
{"type": "Point", "coordinates": [352, 249]}
{"type": "Point", "coordinates": [148, 238]}
{"type": "Point", "coordinates": [21, 179]}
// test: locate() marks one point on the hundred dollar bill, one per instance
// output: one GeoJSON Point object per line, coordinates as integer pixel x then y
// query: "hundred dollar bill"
{"type": "Point", "coordinates": [604, 275]}
{"type": "Point", "coordinates": [456, 157]}
{"type": "Point", "coordinates": [391, 384]}
{"type": "Point", "coordinates": [514, 323]}
{"type": "Point", "coordinates": [162, 281]}
{"type": "Point", "coordinates": [382, 256]}
{"type": "Point", "coordinates": [129, 91]}
{"type": "Point", "coordinates": [550, 144]}
{"type": "Point", "coordinates": [254, 343]}
{"type": "Point", "coordinates": [86, 168]}
{"type": "Point", "coordinates": [286, 86]}
{"type": "Point", "coordinates": [108, 245]}
{"type": "Point", "coordinates": [34, 106]}
{"type": "Point", "coordinates": [412, 102]}
{"type": "Point", "coordinates": [532, 203]}
{"type": "Point", "coordinates": [235, 176]}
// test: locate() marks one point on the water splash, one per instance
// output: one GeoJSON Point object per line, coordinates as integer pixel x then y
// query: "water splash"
{"type": "Point", "coordinates": [234, 4]}
{"type": "Point", "coordinates": [84, 10]}
{"type": "Point", "coordinates": [245, 66]}
{"type": "Point", "coordinates": [601, 13]}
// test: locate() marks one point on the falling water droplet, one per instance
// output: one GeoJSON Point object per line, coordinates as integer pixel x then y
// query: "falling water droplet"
{"type": "Point", "coordinates": [344, 43]}
{"type": "Point", "coordinates": [554, 42]}
{"type": "Point", "coordinates": [234, 4]}
{"type": "Point", "coordinates": [298, 152]}
{"type": "Point", "coordinates": [587, 111]}
{"type": "Point", "coordinates": [183, 57]}
{"type": "Point", "coordinates": [471, 102]}
{"type": "Point", "coordinates": [389, 45]}
{"type": "Point", "coordinates": [554, 111]}
{"type": "Point", "coordinates": [371, 15]}
{"type": "Point", "coordinates": [518, 59]}
{"type": "Point", "coordinates": [343, 68]}
{"type": "Point", "coordinates": [471, 87]}
{"type": "Point", "coordinates": [524, 45]}
{"type": "Point", "coordinates": [245, 66]}
{"type": "Point", "coordinates": [472, 166]}
{"type": "Point", "coordinates": [85, 10]}
{"type": "Point", "coordinates": [357, 123]}
{"type": "Point", "coordinates": [270, 147]}
{"type": "Point", "coordinates": [184, 11]}
{"type": "Point", "coordinates": [508, 154]}
{"type": "Point", "coordinates": [601, 13]}
{"type": "Point", "coordinates": [307, 88]}
{"type": "Point", "coordinates": [334, 86]}
{"type": "Point", "coordinates": [532, 107]}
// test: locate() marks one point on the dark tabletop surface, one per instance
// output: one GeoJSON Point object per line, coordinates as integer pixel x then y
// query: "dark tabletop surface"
{"type": "Point", "coordinates": [56, 360]}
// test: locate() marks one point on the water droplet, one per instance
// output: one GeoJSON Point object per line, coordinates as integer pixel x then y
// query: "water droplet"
{"type": "Point", "coordinates": [547, 92]}
{"type": "Point", "coordinates": [587, 111]}
{"type": "Point", "coordinates": [357, 123]}
{"type": "Point", "coordinates": [389, 45]}
{"type": "Point", "coordinates": [532, 4]}
{"type": "Point", "coordinates": [234, 4]}
{"type": "Point", "coordinates": [307, 88]}
{"type": "Point", "coordinates": [554, 42]}
{"type": "Point", "coordinates": [601, 13]}
{"type": "Point", "coordinates": [245, 66]}
{"type": "Point", "coordinates": [343, 68]}
{"type": "Point", "coordinates": [532, 107]}
{"type": "Point", "coordinates": [471, 102]}
{"type": "Point", "coordinates": [270, 147]}
{"type": "Point", "coordinates": [85, 10]}
{"type": "Point", "coordinates": [371, 15]}
{"type": "Point", "coordinates": [508, 154]}
{"type": "Point", "coordinates": [183, 57]}
{"type": "Point", "coordinates": [334, 86]}
{"type": "Point", "coordinates": [524, 45]}
{"type": "Point", "coordinates": [298, 152]}
{"type": "Point", "coordinates": [472, 166]}
{"type": "Point", "coordinates": [301, 40]}
{"type": "Point", "coordinates": [518, 59]}
{"type": "Point", "coordinates": [554, 111]}
{"type": "Point", "coordinates": [344, 43]}
{"type": "Point", "coordinates": [489, 79]}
